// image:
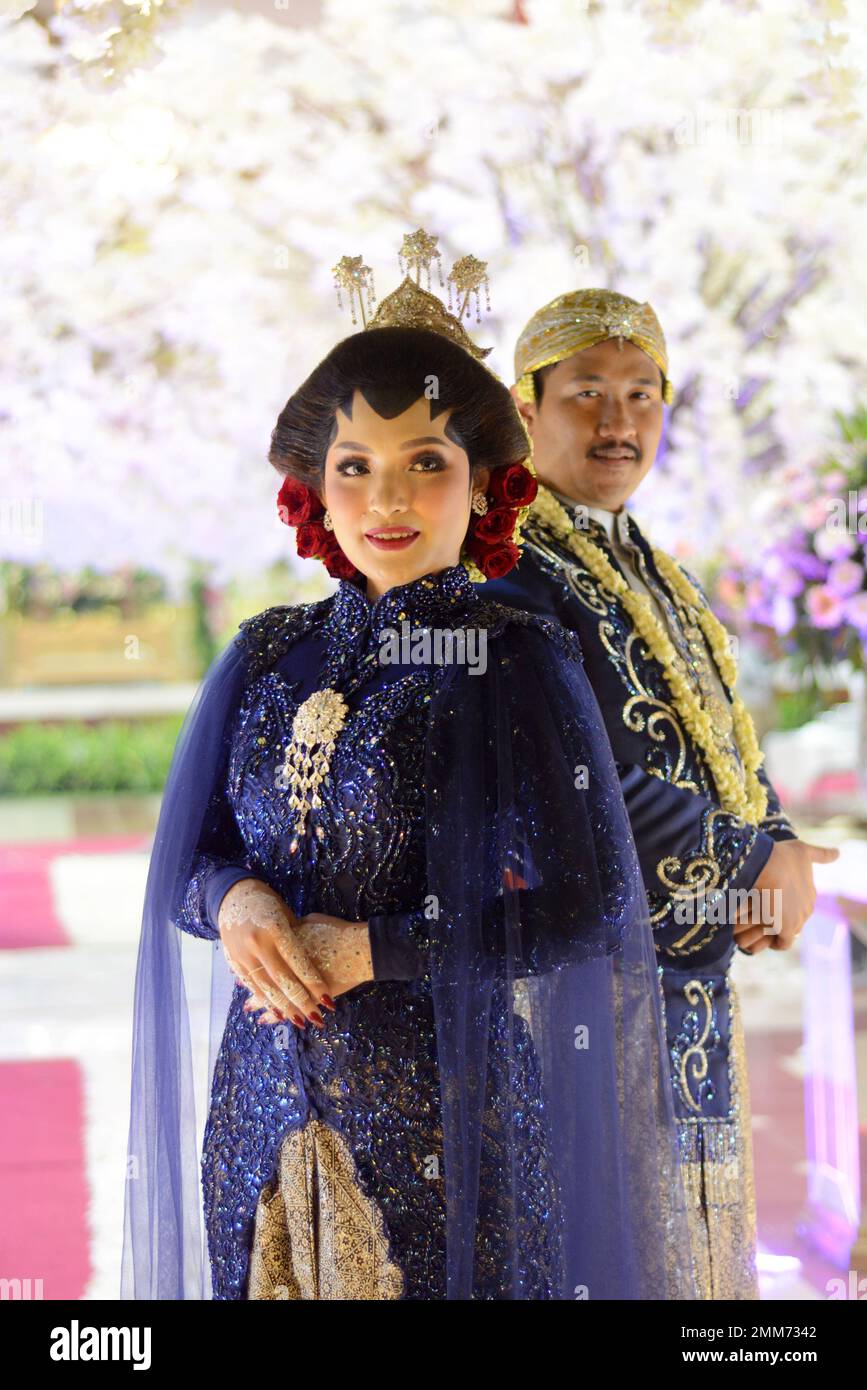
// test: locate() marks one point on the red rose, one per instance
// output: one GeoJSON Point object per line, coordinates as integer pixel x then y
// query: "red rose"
{"type": "Point", "coordinates": [297, 503]}
{"type": "Point", "coordinates": [516, 486]}
{"type": "Point", "coordinates": [339, 565]}
{"type": "Point", "coordinates": [498, 562]}
{"type": "Point", "coordinates": [309, 539]}
{"type": "Point", "coordinates": [313, 542]}
{"type": "Point", "coordinates": [477, 546]}
{"type": "Point", "coordinates": [496, 525]}
{"type": "Point", "coordinates": [494, 560]}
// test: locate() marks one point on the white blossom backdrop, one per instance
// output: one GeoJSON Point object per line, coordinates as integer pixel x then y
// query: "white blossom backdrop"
{"type": "Point", "coordinates": [170, 227]}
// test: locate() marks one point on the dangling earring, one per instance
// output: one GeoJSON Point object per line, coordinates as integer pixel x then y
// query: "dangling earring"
{"type": "Point", "coordinates": [479, 503]}
{"type": "Point", "coordinates": [327, 522]}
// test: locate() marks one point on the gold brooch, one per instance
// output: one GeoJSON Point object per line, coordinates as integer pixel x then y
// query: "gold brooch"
{"type": "Point", "coordinates": [315, 727]}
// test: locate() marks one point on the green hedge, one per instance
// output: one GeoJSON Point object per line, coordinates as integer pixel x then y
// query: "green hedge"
{"type": "Point", "coordinates": [113, 756]}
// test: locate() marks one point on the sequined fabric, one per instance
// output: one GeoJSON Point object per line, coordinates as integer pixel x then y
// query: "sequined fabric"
{"type": "Point", "coordinates": [348, 1118]}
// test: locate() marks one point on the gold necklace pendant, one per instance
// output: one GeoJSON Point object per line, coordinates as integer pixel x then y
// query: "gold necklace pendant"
{"type": "Point", "coordinates": [316, 725]}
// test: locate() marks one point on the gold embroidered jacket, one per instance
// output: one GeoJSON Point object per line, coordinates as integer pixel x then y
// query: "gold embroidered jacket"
{"type": "Point", "coordinates": [694, 855]}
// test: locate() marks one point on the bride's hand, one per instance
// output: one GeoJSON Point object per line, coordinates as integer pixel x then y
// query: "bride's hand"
{"type": "Point", "coordinates": [265, 952]}
{"type": "Point", "coordinates": [338, 950]}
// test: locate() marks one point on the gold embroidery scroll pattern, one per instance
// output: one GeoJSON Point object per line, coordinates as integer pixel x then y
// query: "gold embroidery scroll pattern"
{"type": "Point", "coordinates": [662, 716]}
{"type": "Point", "coordinates": [700, 875]}
{"type": "Point", "coordinates": [665, 712]}
{"type": "Point", "coordinates": [717, 1164]}
{"type": "Point", "coordinates": [655, 724]}
{"type": "Point", "coordinates": [599, 600]}
{"type": "Point", "coordinates": [696, 877]}
{"type": "Point", "coordinates": [694, 1063]}
{"type": "Point", "coordinates": [586, 589]}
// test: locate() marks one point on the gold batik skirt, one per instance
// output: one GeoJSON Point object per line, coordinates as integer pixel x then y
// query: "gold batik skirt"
{"type": "Point", "coordinates": [316, 1235]}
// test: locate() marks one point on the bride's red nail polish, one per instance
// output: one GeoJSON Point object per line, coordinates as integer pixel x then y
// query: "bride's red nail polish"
{"type": "Point", "coordinates": [328, 1001]}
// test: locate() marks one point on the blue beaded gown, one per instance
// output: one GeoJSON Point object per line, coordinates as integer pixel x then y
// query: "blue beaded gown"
{"type": "Point", "coordinates": [488, 1118]}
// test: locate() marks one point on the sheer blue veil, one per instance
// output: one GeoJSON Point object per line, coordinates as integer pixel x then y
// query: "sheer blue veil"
{"type": "Point", "coordinates": [182, 992]}
{"type": "Point", "coordinates": [536, 896]}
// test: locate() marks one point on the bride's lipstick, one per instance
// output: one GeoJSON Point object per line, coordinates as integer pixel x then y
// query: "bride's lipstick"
{"type": "Point", "coordinates": [391, 537]}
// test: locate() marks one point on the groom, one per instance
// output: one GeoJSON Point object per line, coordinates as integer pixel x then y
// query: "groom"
{"type": "Point", "coordinates": [591, 379]}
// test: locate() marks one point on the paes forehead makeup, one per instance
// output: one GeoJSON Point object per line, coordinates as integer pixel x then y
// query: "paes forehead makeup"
{"type": "Point", "coordinates": [387, 400]}
{"type": "Point", "coordinates": [366, 417]}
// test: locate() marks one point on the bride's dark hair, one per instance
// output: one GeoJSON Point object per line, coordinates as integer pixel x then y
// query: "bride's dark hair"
{"type": "Point", "coordinates": [392, 368]}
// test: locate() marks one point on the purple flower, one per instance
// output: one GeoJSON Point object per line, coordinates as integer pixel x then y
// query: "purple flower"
{"type": "Point", "coordinates": [846, 577]}
{"type": "Point", "coordinates": [783, 577]}
{"type": "Point", "coordinates": [834, 481]}
{"type": "Point", "coordinates": [791, 583]}
{"type": "Point", "coordinates": [824, 607]}
{"type": "Point", "coordinates": [810, 566]}
{"type": "Point", "coordinates": [833, 543]}
{"type": "Point", "coordinates": [856, 612]}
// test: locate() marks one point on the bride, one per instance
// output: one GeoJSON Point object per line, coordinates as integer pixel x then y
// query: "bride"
{"type": "Point", "coordinates": [435, 1066]}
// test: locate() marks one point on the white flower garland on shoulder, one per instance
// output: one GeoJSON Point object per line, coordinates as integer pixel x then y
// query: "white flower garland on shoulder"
{"type": "Point", "coordinates": [748, 798]}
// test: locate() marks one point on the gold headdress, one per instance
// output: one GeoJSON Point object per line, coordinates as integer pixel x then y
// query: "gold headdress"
{"type": "Point", "coordinates": [579, 320]}
{"type": "Point", "coordinates": [411, 306]}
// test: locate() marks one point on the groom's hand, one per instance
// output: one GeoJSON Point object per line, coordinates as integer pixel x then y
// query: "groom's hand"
{"type": "Point", "coordinates": [788, 878]}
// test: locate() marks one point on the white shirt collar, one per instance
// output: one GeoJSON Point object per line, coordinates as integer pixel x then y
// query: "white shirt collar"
{"type": "Point", "coordinates": [606, 519]}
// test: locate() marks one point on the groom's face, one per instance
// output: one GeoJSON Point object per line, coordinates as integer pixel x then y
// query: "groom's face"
{"type": "Point", "coordinates": [597, 427]}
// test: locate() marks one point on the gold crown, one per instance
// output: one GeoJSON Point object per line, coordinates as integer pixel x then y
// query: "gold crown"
{"type": "Point", "coordinates": [411, 306]}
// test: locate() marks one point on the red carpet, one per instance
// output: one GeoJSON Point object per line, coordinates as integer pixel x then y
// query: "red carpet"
{"type": "Point", "coordinates": [28, 918]}
{"type": "Point", "coordinates": [43, 1186]}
